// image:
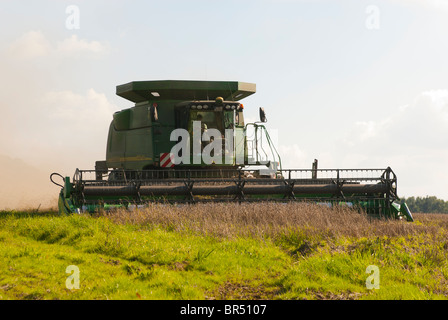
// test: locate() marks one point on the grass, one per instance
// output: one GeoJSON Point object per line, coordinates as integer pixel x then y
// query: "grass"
{"type": "Point", "coordinates": [223, 251]}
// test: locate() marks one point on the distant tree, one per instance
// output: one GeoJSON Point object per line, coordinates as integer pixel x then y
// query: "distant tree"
{"type": "Point", "coordinates": [428, 204]}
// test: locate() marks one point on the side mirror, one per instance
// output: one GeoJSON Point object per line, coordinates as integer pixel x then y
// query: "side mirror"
{"type": "Point", "coordinates": [262, 115]}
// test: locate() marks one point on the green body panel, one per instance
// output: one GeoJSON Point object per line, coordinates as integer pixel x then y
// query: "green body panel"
{"type": "Point", "coordinates": [140, 144]}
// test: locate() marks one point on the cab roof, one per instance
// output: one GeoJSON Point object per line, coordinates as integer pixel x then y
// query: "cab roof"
{"type": "Point", "coordinates": [139, 91]}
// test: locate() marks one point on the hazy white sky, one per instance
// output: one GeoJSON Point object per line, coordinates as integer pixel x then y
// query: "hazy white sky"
{"type": "Point", "coordinates": [355, 84]}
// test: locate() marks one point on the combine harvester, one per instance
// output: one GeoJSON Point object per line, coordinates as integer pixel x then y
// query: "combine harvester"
{"type": "Point", "coordinates": [187, 142]}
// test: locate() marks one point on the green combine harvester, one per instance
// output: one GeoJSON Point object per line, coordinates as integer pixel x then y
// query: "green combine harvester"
{"type": "Point", "coordinates": [187, 142]}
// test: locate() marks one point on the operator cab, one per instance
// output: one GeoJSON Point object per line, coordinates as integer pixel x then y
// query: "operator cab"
{"type": "Point", "coordinates": [224, 116]}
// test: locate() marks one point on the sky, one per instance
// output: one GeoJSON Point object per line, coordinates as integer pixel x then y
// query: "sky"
{"type": "Point", "coordinates": [352, 83]}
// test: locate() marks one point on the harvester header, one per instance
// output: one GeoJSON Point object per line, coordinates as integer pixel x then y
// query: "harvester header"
{"type": "Point", "coordinates": [140, 91]}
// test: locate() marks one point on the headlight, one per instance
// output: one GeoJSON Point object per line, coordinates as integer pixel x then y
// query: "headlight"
{"type": "Point", "coordinates": [193, 107]}
{"type": "Point", "coordinates": [227, 107]}
{"type": "Point", "coordinates": [233, 107]}
{"type": "Point", "coordinates": [199, 107]}
{"type": "Point", "coordinates": [205, 106]}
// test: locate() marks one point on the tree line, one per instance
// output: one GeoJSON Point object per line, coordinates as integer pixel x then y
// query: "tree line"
{"type": "Point", "coordinates": [428, 204]}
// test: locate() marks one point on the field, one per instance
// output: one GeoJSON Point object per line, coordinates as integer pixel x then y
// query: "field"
{"type": "Point", "coordinates": [223, 251]}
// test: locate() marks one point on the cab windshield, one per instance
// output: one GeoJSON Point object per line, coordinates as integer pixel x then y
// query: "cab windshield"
{"type": "Point", "coordinates": [220, 120]}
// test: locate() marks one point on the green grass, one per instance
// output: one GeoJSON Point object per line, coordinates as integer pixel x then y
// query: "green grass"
{"type": "Point", "coordinates": [124, 260]}
{"type": "Point", "coordinates": [341, 273]}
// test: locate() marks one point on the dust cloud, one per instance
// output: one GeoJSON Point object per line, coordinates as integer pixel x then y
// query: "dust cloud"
{"type": "Point", "coordinates": [24, 187]}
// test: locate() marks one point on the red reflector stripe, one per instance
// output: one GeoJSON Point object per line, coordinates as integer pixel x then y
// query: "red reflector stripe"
{"type": "Point", "coordinates": [167, 160]}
